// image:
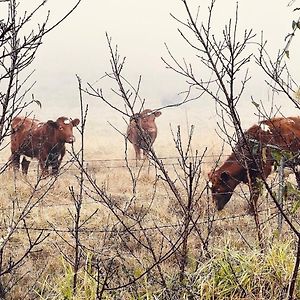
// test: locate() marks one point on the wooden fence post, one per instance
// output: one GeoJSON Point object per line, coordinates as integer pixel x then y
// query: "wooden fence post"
{"type": "Point", "coordinates": [280, 194]}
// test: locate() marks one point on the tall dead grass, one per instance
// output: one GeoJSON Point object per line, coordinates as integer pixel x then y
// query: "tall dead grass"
{"type": "Point", "coordinates": [234, 266]}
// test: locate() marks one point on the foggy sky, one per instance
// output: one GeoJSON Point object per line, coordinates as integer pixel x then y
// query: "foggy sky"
{"type": "Point", "coordinates": [140, 28]}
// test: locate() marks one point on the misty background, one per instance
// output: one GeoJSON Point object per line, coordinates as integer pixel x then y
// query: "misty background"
{"type": "Point", "coordinates": [141, 29]}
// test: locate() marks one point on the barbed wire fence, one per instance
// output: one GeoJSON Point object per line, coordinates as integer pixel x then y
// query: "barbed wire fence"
{"type": "Point", "coordinates": [119, 163]}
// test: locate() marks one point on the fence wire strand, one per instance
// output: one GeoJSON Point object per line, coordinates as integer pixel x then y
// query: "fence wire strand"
{"type": "Point", "coordinates": [150, 228]}
{"type": "Point", "coordinates": [99, 163]}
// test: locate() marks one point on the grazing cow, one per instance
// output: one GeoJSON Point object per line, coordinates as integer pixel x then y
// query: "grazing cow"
{"type": "Point", "coordinates": [254, 159]}
{"type": "Point", "coordinates": [43, 141]}
{"type": "Point", "coordinates": [142, 131]}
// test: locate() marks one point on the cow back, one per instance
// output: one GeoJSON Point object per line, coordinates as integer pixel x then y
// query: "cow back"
{"type": "Point", "coordinates": [283, 133]}
{"type": "Point", "coordinates": [22, 137]}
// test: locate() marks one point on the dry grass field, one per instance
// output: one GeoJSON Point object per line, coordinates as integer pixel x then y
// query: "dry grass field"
{"type": "Point", "coordinates": [108, 226]}
{"type": "Point", "coordinates": [133, 240]}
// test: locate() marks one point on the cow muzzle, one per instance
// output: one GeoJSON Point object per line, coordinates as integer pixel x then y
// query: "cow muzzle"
{"type": "Point", "coordinates": [221, 199]}
{"type": "Point", "coordinates": [70, 140]}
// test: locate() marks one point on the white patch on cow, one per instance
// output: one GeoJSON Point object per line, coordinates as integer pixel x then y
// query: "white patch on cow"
{"type": "Point", "coordinates": [297, 168]}
{"type": "Point", "coordinates": [28, 158]}
{"type": "Point", "coordinates": [265, 127]}
{"type": "Point", "coordinates": [40, 124]}
{"type": "Point", "coordinates": [149, 113]}
{"type": "Point", "coordinates": [67, 121]}
{"type": "Point", "coordinates": [210, 185]}
{"type": "Point", "coordinates": [290, 121]}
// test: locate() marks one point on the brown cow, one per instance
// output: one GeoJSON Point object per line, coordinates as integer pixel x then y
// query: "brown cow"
{"type": "Point", "coordinates": [254, 159]}
{"type": "Point", "coordinates": [142, 131]}
{"type": "Point", "coordinates": [43, 141]}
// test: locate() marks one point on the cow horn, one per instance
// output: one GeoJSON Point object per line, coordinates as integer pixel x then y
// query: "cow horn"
{"type": "Point", "coordinates": [150, 113]}
{"type": "Point", "coordinates": [155, 112]}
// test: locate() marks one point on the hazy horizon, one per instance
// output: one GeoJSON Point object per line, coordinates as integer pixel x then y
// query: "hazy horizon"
{"type": "Point", "coordinates": [141, 29]}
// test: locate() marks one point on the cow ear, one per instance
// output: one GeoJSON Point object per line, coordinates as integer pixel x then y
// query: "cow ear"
{"type": "Point", "coordinates": [157, 114]}
{"type": "Point", "coordinates": [225, 176]}
{"type": "Point", "coordinates": [75, 122]}
{"type": "Point", "coordinates": [135, 117]}
{"type": "Point", "coordinates": [52, 124]}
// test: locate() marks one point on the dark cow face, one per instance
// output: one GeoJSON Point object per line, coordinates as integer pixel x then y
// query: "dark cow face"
{"type": "Point", "coordinates": [64, 129]}
{"type": "Point", "coordinates": [222, 185]}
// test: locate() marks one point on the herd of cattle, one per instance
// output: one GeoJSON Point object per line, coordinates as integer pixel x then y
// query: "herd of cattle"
{"type": "Point", "coordinates": [46, 141]}
{"type": "Point", "coordinates": [251, 159]}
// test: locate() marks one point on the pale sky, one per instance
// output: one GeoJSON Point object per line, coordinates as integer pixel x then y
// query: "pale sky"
{"type": "Point", "coordinates": [140, 28]}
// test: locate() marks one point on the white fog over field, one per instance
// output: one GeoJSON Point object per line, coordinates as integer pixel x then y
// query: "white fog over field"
{"type": "Point", "coordinates": [141, 29]}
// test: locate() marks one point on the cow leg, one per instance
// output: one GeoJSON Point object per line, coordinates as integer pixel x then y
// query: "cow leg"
{"type": "Point", "coordinates": [297, 175]}
{"type": "Point", "coordinates": [137, 152]}
{"type": "Point", "coordinates": [57, 161]}
{"type": "Point", "coordinates": [145, 154]}
{"type": "Point", "coordinates": [54, 167]}
{"type": "Point", "coordinates": [25, 166]}
{"type": "Point", "coordinates": [15, 160]}
{"type": "Point", "coordinates": [52, 161]}
{"type": "Point", "coordinates": [55, 164]}
{"type": "Point", "coordinates": [44, 167]}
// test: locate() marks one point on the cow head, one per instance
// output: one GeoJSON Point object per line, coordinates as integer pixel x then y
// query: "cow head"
{"type": "Point", "coordinates": [64, 129]}
{"type": "Point", "coordinates": [147, 118]}
{"type": "Point", "coordinates": [222, 184]}
{"type": "Point", "coordinates": [221, 191]}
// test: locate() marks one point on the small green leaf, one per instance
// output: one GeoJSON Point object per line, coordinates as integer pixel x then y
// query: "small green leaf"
{"type": "Point", "coordinates": [295, 207]}
{"type": "Point", "coordinates": [287, 53]}
{"type": "Point", "coordinates": [255, 104]}
{"type": "Point", "coordinates": [36, 101]}
{"type": "Point", "coordinates": [276, 154]}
